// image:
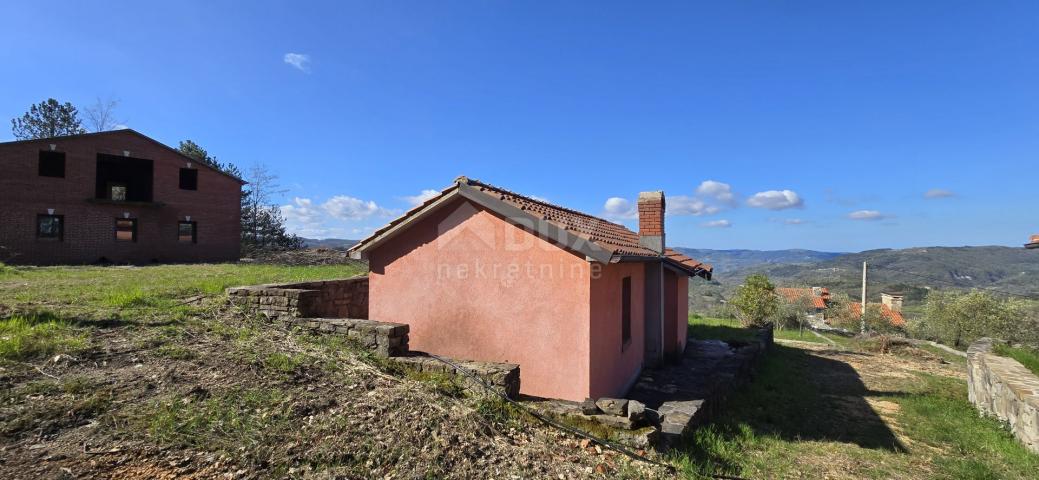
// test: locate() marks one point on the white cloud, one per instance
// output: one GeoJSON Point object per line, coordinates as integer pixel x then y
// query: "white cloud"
{"type": "Point", "coordinates": [719, 191]}
{"type": "Point", "coordinates": [416, 200]}
{"type": "Point", "coordinates": [866, 215]}
{"type": "Point", "coordinates": [619, 209]}
{"type": "Point", "coordinates": [303, 218]}
{"type": "Point", "coordinates": [717, 224]}
{"type": "Point", "coordinates": [340, 216]}
{"type": "Point", "coordinates": [301, 210]}
{"type": "Point", "coordinates": [343, 207]}
{"type": "Point", "coordinates": [793, 221]}
{"type": "Point", "coordinates": [939, 193]}
{"type": "Point", "coordinates": [776, 200]}
{"type": "Point", "coordinates": [682, 205]}
{"type": "Point", "coordinates": [120, 126]}
{"type": "Point", "coordinates": [299, 61]}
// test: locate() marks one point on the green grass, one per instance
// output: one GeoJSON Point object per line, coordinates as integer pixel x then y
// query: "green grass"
{"type": "Point", "coordinates": [948, 357]}
{"type": "Point", "coordinates": [24, 337]}
{"type": "Point", "coordinates": [159, 291]}
{"type": "Point", "coordinates": [224, 421]}
{"type": "Point", "coordinates": [708, 328]}
{"type": "Point", "coordinates": [938, 414]}
{"type": "Point", "coordinates": [810, 416]}
{"type": "Point", "coordinates": [1027, 356]}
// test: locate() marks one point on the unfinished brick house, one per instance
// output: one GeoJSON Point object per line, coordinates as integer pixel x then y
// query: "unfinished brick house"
{"type": "Point", "coordinates": [115, 196]}
{"type": "Point", "coordinates": [580, 303]}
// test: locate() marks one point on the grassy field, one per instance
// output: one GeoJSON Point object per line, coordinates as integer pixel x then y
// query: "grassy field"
{"type": "Point", "coordinates": [814, 411]}
{"type": "Point", "coordinates": [49, 310]}
{"type": "Point", "coordinates": [148, 372]}
{"type": "Point", "coordinates": [1028, 357]}
{"type": "Point", "coordinates": [719, 328]}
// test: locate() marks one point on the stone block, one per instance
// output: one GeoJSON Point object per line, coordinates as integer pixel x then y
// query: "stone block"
{"type": "Point", "coordinates": [588, 407]}
{"type": "Point", "coordinates": [614, 421]}
{"type": "Point", "coordinates": [613, 406]}
{"type": "Point", "coordinates": [636, 411]}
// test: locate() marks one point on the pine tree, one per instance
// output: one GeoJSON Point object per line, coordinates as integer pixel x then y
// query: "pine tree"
{"type": "Point", "coordinates": [263, 226]}
{"type": "Point", "coordinates": [47, 119]}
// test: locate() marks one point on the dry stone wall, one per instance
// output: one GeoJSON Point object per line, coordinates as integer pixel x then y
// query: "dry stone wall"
{"type": "Point", "coordinates": [341, 307]}
{"type": "Point", "coordinates": [1003, 387]}
{"type": "Point", "coordinates": [386, 339]}
{"type": "Point", "coordinates": [344, 298]}
{"type": "Point", "coordinates": [504, 377]}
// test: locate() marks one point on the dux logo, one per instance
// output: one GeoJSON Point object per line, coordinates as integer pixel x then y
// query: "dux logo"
{"type": "Point", "coordinates": [464, 229]}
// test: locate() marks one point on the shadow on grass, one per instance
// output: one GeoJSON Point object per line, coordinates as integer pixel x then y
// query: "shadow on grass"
{"type": "Point", "coordinates": [794, 396]}
{"type": "Point", "coordinates": [702, 331]}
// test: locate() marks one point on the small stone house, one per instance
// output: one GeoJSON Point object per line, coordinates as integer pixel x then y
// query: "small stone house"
{"type": "Point", "coordinates": [580, 303]}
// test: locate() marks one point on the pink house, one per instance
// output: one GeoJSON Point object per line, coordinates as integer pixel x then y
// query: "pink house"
{"type": "Point", "coordinates": [580, 303]}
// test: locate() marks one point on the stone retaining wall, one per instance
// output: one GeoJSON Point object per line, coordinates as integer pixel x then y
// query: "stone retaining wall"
{"type": "Point", "coordinates": [386, 339]}
{"type": "Point", "coordinates": [670, 399]}
{"type": "Point", "coordinates": [677, 417]}
{"type": "Point", "coordinates": [503, 376]}
{"type": "Point", "coordinates": [345, 298]}
{"type": "Point", "coordinates": [1003, 387]}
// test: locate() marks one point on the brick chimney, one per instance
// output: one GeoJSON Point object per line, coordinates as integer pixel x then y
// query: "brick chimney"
{"type": "Point", "coordinates": [651, 221]}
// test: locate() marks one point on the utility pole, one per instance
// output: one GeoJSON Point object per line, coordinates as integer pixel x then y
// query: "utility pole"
{"type": "Point", "coordinates": [862, 319]}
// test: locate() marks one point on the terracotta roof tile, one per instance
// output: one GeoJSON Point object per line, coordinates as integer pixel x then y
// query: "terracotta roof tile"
{"type": "Point", "coordinates": [892, 316]}
{"type": "Point", "coordinates": [793, 294]}
{"type": "Point", "coordinates": [614, 238]}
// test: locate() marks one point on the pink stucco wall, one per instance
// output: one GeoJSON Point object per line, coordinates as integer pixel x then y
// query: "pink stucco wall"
{"type": "Point", "coordinates": [670, 313]}
{"type": "Point", "coordinates": [682, 317]}
{"type": "Point", "coordinates": [472, 286]}
{"type": "Point", "coordinates": [676, 312]}
{"type": "Point", "coordinates": [614, 365]}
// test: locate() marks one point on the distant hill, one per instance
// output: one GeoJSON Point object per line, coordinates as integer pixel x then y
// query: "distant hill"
{"type": "Point", "coordinates": [1009, 269]}
{"type": "Point", "coordinates": [334, 243]}
{"type": "Point", "coordinates": [735, 260]}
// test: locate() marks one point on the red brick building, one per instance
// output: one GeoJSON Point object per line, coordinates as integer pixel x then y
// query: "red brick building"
{"type": "Point", "coordinates": [114, 196]}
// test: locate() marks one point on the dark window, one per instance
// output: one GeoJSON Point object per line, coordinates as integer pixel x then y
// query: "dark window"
{"type": "Point", "coordinates": [134, 175]}
{"type": "Point", "coordinates": [187, 232]}
{"type": "Point", "coordinates": [52, 164]}
{"type": "Point", "coordinates": [625, 312]}
{"type": "Point", "coordinates": [50, 227]}
{"type": "Point", "coordinates": [188, 179]}
{"type": "Point", "coordinates": [126, 229]}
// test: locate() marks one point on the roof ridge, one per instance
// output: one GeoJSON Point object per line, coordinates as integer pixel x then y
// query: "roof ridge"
{"type": "Point", "coordinates": [475, 182]}
{"type": "Point", "coordinates": [122, 131]}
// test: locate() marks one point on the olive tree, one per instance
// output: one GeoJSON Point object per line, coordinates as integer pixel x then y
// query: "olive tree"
{"type": "Point", "coordinates": [755, 301]}
{"type": "Point", "coordinates": [958, 319]}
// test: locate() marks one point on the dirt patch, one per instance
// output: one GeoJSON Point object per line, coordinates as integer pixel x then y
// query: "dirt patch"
{"type": "Point", "coordinates": [239, 397]}
{"type": "Point", "coordinates": [313, 256]}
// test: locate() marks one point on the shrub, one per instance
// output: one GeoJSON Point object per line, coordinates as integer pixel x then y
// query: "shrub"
{"type": "Point", "coordinates": [958, 319]}
{"type": "Point", "coordinates": [755, 302]}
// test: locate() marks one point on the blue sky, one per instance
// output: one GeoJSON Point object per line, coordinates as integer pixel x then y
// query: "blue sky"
{"type": "Point", "coordinates": [817, 125]}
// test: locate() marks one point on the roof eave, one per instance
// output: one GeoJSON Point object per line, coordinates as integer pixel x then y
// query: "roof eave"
{"type": "Point", "coordinates": [668, 263]}
{"type": "Point", "coordinates": [511, 213]}
{"type": "Point", "coordinates": [539, 226]}
{"type": "Point", "coordinates": [360, 251]}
